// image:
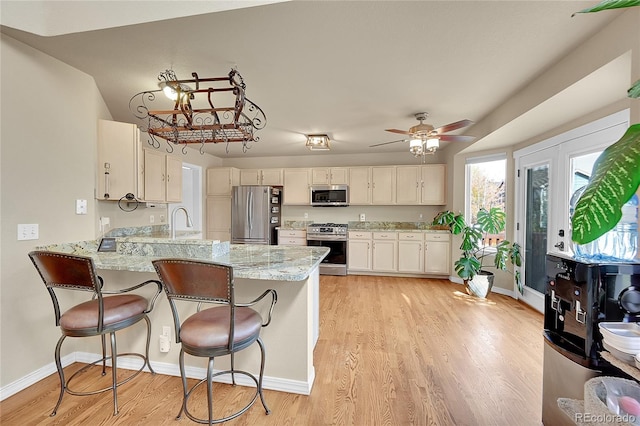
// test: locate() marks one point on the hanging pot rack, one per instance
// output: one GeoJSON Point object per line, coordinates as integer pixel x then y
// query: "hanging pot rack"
{"type": "Point", "coordinates": [205, 110]}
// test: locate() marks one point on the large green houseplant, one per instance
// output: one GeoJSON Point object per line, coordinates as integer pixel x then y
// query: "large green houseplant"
{"type": "Point", "coordinates": [470, 266]}
{"type": "Point", "coordinates": [616, 172]}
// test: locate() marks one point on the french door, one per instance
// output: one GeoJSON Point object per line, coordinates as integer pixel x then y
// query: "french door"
{"type": "Point", "coordinates": [548, 174]}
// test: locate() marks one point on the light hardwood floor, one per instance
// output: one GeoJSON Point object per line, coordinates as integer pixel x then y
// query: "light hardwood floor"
{"type": "Point", "coordinates": [392, 351]}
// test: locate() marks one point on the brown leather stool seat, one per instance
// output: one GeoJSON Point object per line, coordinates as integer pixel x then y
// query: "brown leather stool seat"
{"type": "Point", "coordinates": [99, 316]}
{"type": "Point", "coordinates": [221, 330]}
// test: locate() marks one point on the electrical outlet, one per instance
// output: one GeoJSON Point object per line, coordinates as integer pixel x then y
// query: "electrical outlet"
{"type": "Point", "coordinates": [420, 216]}
{"type": "Point", "coordinates": [362, 217]}
{"type": "Point", "coordinates": [306, 215]}
{"type": "Point", "coordinates": [152, 219]}
{"type": "Point", "coordinates": [81, 206]}
{"type": "Point", "coordinates": [161, 218]}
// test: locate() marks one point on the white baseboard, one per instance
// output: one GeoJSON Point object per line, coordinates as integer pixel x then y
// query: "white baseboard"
{"type": "Point", "coordinates": [494, 289]}
{"type": "Point", "coordinates": [134, 363]}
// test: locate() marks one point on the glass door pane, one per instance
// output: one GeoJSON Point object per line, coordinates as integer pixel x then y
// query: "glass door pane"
{"type": "Point", "coordinates": [537, 205]}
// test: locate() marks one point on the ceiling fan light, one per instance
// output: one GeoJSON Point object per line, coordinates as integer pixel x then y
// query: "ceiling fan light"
{"type": "Point", "coordinates": [433, 144]}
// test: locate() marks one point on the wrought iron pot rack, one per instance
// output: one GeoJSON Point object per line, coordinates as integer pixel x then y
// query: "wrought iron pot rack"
{"type": "Point", "coordinates": [201, 112]}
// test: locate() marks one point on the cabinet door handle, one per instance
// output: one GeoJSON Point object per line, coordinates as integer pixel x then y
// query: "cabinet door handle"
{"type": "Point", "coordinates": [163, 177]}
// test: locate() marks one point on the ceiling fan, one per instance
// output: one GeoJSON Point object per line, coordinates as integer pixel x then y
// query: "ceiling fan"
{"type": "Point", "coordinates": [425, 139]}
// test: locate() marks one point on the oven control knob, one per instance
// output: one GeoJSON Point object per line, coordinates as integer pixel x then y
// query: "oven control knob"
{"type": "Point", "coordinates": [629, 300]}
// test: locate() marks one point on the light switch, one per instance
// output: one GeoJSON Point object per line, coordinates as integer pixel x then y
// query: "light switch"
{"type": "Point", "coordinates": [81, 206]}
{"type": "Point", "coordinates": [28, 231]}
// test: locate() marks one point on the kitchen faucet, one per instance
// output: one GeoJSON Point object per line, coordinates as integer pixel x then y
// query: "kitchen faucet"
{"type": "Point", "coordinates": [173, 220]}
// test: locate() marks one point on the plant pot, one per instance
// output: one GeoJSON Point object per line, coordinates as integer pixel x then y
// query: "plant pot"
{"type": "Point", "coordinates": [480, 285]}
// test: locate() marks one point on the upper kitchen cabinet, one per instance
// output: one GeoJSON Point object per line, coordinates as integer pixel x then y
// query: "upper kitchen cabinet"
{"type": "Point", "coordinates": [296, 187]}
{"type": "Point", "coordinates": [433, 186]}
{"type": "Point", "coordinates": [359, 185]}
{"type": "Point", "coordinates": [423, 185]}
{"type": "Point", "coordinates": [383, 185]}
{"type": "Point", "coordinates": [271, 177]}
{"type": "Point", "coordinates": [162, 177]}
{"type": "Point", "coordinates": [221, 180]}
{"type": "Point", "coordinates": [118, 153]}
{"type": "Point", "coordinates": [330, 176]}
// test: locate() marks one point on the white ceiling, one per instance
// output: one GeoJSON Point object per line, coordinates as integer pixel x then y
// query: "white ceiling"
{"type": "Point", "coordinates": [346, 68]}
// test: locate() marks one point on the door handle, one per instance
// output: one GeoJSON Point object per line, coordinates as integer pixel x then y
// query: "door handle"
{"type": "Point", "coordinates": [560, 245]}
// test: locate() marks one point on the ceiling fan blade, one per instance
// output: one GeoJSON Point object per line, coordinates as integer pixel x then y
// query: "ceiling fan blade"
{"type": "Point", "coordinates": [387, 143]}
{"type": "Point", "coordinates": [453, 126]}
{"type": "Point", "coordinates": [402, 132]}
{"type": "Point", "coordinates": [456, 138]}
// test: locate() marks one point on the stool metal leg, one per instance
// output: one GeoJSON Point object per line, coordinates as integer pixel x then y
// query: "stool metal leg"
{"type": "Point", "coordinates": [210, 390]}
{"type": "Point", "coordinates": [184, 384]}
{"type": "Point", "coordinates": [60, 374]}
{"type": "Point", "coordinates": [146, 318]}
{"type": "Point", "coordinates": [262, 351]}
{"type": "Point", "coordinates": [114, 372]}
{"type": "Point", "coordinates": [233, 368]}
{"type": "Point", "coordinates": [104, 354]}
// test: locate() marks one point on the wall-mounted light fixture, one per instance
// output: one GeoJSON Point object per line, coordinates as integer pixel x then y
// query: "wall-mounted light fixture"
{"type": "Point", "coordinates": [318, 143]}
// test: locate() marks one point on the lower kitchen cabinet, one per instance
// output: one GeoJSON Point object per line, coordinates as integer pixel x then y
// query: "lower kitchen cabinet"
{"type": "Point", "coordinates": [410, 253]}
{"type": "Point", "coordinates": [292, 237]}
{"type": "Point", "coordinates": [437, 253]}
{"type": "Point", "coordinates": [399, 253]}
{"type": "Point", "coordinates": [385, 251]}
{"type": "Point", "coordinates": [359, 251]}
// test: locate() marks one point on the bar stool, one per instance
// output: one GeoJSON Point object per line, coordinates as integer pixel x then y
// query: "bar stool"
{"type": "Point", "coordinates": [96, 317]}
{"type": "Point", "coordinates": [217, 331]}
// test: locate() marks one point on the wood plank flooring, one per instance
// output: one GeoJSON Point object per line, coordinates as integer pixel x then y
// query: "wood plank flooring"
{"type": "Point", "coordinates": [392, 351]}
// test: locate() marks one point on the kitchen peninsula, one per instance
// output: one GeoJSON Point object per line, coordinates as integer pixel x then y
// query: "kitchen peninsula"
{"type": "Point", "coordinates": [291, 270]}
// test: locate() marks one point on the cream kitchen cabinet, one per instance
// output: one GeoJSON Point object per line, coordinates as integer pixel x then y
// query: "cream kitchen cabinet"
{"type": "Point", "coordinates": [437, 253]}
{"type": "Point", "coordinates": [162, 177]}
{"type": "Point", "coordinates": [383, 185]}
{"type": "Point", "coordinates": [423, 185]}
{"type": "Point", "coordinates": [359, 185]}
{"type": "Point", "coordinates": [219, 218]}
{"type": "Point", "coordinates": [385, 252]}
{"type": "Point", "coordinates": [272, 177]}
{"type": "Point", "coordinates": [330, 176]}
{"type": "Point", "coordinates": [410, 252]}
{"type": "Point", "coordinates": [221, 180]}
{"type": "Point", "coordinates": [119, 150]}
{"type": "Point", "coordinates": [359, 248]}
{"type": "Point", "coordinates": [296, 186]}
{"type": "Point", "coordinates": [292, 237]}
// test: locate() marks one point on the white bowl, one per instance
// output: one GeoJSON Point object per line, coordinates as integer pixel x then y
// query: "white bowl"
{"type": "Point", "coordinates": [622, 355]}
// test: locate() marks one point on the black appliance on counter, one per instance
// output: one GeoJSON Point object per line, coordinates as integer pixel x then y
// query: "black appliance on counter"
{"type": "Point", "coordinates": [579, 295]}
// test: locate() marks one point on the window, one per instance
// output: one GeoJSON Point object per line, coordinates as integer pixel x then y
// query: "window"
{"type": "Point", "coordinates": [485, 188]}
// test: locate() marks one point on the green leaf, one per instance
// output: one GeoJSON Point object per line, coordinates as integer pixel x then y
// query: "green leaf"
{"type": "Point", "coordinates": [614, 180]}
{"type": "Point", "coordinates": [467, 267]}
{"type": "Point", "coordinates": [634, 92]}
{"type": "Point", "coordinates": [471, 238]}
{"type": "Point", "coordinates": [610, 4]}
{"type": "Point", "coordinates": [492, 221]}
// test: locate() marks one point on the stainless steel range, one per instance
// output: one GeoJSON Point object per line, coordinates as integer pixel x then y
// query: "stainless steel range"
{"type": "Point", "coordinates": [333, 236]}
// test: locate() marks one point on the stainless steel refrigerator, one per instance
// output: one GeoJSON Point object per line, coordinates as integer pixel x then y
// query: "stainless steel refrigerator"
{"type": "Point", "coordinates": [255, 214]}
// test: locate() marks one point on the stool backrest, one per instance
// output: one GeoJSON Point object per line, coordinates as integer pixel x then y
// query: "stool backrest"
{"type": "Point", "coordinates": [196, 281]}
{"type": "Point", "coordinates": [67, 271]}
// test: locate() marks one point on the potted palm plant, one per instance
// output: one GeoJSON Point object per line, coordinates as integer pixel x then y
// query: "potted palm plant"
{"type": "Point", "coordinates": [470, 266]}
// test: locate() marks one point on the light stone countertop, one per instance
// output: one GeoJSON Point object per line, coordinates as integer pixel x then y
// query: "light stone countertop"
{"type": "Point", "coordinates": [260, 262]}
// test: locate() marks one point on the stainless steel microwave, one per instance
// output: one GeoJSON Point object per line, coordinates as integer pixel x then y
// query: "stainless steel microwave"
{"type": "Point", "coordinates": [330, 195]}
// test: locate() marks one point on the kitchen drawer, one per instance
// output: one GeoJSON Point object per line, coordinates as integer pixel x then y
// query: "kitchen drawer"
{"type": "Point", "coordinates": [385, 235]}
{"type": "Point", "coordinates": [293, 233]}
{"type": "Point", "coordinates": [359, 235]}
{"type": "Point", "coordinates": [410, 236]}
{"type": "Point", "coordinates": [290, 241]}
{"type": "Point", "coordinates": [432, 236]}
